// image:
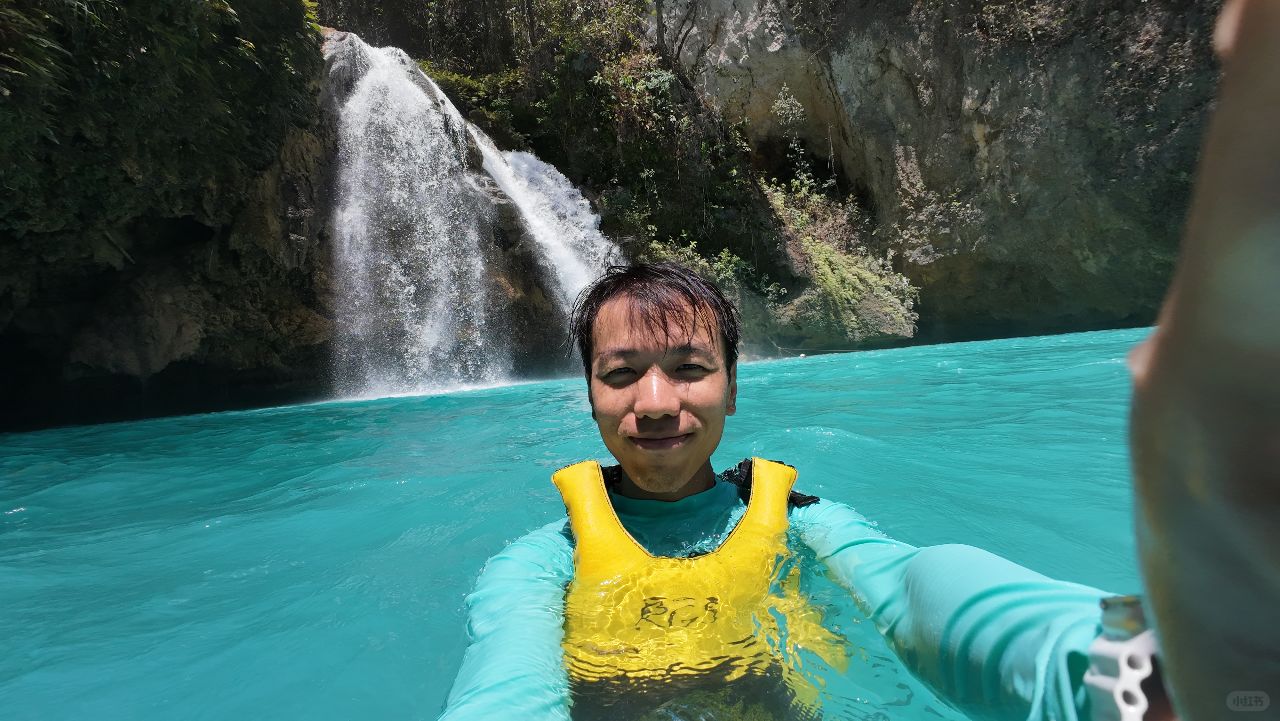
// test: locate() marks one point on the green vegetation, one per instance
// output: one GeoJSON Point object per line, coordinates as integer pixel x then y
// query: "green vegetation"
{"type": "Point", "coordinates": [853, 295]}
{"type": "Point", "coordinates": [733, 274]}
{"type": "Point", "coordinates": [589, 87]}
{"type": "Point", "coordinates": [110, 111]}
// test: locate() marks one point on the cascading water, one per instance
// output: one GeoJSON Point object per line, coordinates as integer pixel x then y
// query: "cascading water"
{"type": "Point", "coordinates": [419, 278]}
{"type": "Point", "coordinates": [558, 217]}
{"type": "Point", "coordinates": [413, 301]}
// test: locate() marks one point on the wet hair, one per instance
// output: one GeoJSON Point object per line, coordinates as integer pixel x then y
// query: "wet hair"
{"type": "Point", "coordinates": [658, 292]}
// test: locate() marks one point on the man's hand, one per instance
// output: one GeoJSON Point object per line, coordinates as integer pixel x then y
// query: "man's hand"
{"type": "Point", "coordinates": [1206, 416]}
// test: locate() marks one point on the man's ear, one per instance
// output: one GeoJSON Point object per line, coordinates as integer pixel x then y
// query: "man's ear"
{"type": "Point", "coordinates": [733, 392]}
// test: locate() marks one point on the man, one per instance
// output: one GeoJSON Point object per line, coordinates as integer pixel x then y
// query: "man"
{"type": "Point", "coordinates": [660, 348]}
{"type": "Point", "coordinates": [997, 640]}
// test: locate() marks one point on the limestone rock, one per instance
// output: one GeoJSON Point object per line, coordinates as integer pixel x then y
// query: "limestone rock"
{"type": "Point", "coordinates": [1026, 163]}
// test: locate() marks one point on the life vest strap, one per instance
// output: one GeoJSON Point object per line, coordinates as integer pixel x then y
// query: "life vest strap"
{"type": "Point", "coordinates": [740, 476]}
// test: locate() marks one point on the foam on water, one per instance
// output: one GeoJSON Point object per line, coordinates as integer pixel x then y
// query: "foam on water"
{"type": "Point", "coordinates": [310, 562]}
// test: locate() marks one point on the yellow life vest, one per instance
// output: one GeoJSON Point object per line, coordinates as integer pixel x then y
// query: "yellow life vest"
{"type": "Point", "coordinates": [632, 615]}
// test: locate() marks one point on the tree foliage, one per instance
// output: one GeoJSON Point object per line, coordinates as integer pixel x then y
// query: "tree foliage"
{"type": "Point", "coordinates": [111, 110]}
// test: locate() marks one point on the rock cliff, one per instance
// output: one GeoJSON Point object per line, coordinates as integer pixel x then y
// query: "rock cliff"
{"type": "Point", "coordinates": [160, 229]}
{"type": "Point", "coordinates": [166, 313]}
{"type": "Point", "coordinates": [1027, 163]}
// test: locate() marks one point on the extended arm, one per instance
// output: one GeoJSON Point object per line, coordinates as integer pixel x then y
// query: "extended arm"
{"type": "Point", "coordinates": [1206, 415]}
{"type": "Point", "coordinates": [993, 638]}
{"type": "Point", "coordinates": [515, 618]}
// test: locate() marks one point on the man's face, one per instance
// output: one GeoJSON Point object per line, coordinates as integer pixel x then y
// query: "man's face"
{"type": "Point", "coordinates": [660, 399]}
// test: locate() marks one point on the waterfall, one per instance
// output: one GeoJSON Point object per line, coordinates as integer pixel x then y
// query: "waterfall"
{"type": "Point", "coordinates": [424, 265]}
{"type": "Point", "coordinates": [559, 218]}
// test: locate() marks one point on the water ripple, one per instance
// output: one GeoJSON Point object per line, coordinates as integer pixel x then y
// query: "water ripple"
{"type": "Point", "coordinates": [312, 560]}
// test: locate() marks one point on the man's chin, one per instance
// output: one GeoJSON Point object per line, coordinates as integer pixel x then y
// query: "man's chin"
{"type": "Point", "coordinates": [658, 478]}
{"type": "Point", "coordinates": [663, 475]}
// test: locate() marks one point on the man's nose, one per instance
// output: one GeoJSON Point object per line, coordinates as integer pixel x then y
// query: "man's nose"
{"type": "Point", "coordinates": [656, 396]}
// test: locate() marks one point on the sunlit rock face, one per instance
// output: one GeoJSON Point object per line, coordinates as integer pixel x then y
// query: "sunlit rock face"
{"type": "Point", "coordinates": [1028, 163]}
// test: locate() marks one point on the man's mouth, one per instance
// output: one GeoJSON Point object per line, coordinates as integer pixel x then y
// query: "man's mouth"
{"type": "Point", "coordinates": [660, 444]}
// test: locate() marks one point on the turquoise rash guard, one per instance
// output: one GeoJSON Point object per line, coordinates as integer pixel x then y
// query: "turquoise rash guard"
{"type": "Point", "coordinates": [996, 640]}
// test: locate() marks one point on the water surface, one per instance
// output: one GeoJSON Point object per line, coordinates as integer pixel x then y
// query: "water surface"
{"type": "Point", "coordinates": [310, 562]}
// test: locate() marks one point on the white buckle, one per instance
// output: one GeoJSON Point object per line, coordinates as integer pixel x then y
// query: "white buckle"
{"type": "Point", "coordinates": [1116, 672]}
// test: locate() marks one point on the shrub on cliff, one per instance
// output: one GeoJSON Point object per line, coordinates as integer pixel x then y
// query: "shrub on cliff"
{"type": "Point", "coordinates": [854, 296]}
{"type": "Point", "coordinates": [111, 110]}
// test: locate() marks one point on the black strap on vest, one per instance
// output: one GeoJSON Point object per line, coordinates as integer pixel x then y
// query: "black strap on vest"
{"type": "Point", "coordinates": [739, 476]}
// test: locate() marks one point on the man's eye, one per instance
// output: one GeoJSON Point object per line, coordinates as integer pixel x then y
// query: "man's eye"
{"type": "Point", "coordinates": [618, 373]}
{"type": "Point", "coordinates": [691, 368]}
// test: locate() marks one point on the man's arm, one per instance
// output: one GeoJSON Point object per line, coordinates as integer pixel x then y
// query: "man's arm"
{"type": "Point", "coordinates": [1206, 415]}
{"type": "Point", "coordinates": [515, 617]}
{"type": "Point", "coordinates": [993, 638]}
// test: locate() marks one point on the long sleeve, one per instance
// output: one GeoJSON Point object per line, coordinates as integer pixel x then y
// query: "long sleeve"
{"type": "Point", "coordinates": [513, 666]}
{"type": "Point", "coordinates": [997, 640]}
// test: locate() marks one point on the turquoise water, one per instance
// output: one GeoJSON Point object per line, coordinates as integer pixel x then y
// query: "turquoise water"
{"type": "Point", "coordinates": [310, 562]}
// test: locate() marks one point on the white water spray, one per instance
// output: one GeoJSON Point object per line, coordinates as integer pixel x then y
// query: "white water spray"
{"type": "Point", "coordinates": [420, 297]}
{"type": "Point", "coordinates": [559, 218]}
